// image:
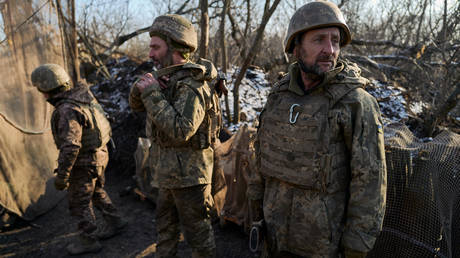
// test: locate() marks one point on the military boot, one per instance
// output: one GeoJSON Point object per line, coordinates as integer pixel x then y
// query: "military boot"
{"type": "Point", "coordinates": [113, 226]}
{"type": "Point", "coordinates": [84, 244]}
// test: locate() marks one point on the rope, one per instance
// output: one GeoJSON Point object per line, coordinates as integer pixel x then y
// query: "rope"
{"type": "Point", "coordinates": [19, 128]}
{"type": "Point", "coordinates": [24, 22]}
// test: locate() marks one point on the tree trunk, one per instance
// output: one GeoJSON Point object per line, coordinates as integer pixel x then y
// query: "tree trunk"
{"type": "Point", "coordinates": [75, 65]}
{"type": "Point", "coordinates": [422, 16]}
{"type": "Point", "coordinates": [69, 31]}
{"type": "Point", "coordinates": [204, 41]}
{"type": "Point", "coordinates": [268, 11]}
{"type": "Point", "coordinates": [223, 47]}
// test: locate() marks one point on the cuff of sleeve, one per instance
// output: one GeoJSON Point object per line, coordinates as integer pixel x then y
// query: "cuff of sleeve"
{"type": "Point", "coordinates": [150, 89]}
{"type": "Point", "coordinates": [135, 101]}
{"type": "Point", "coordinates": [357, 240]}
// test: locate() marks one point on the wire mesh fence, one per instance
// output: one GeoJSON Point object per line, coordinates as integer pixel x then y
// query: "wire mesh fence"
{"type": "Point", "coordinates": [422, 217]}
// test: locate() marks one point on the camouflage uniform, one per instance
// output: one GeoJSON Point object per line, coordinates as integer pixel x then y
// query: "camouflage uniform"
{"type": "Point", "coordinates": [80, 156]}
{"type": "Point", "coordinates": [181, 128]}
{"type": "Point", "coordinates": [321, 165]}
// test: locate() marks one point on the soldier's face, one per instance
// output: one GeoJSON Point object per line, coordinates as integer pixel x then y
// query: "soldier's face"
{"type": "Point", "coordinates": [319, 49]}
{"type": "Point", "coordinates": [158, 51]}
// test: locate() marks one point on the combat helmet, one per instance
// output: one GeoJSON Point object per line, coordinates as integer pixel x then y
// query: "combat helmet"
{"type": "Point", "coordinates": [315, 15]}
{"type": "Point", "coordinates": [49, 77]}
{"type": "Point", "coordinates": [177, 28]}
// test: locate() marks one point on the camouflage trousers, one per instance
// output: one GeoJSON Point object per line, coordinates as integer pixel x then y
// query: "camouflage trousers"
{"type": "Point", "coordinates": [86, 189]}
{"type": "Point", "coordinates": [187, 207]}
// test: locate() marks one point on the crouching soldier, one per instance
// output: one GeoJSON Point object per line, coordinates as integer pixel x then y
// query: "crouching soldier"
{"type": "Point", "coordinates": [81, 132]}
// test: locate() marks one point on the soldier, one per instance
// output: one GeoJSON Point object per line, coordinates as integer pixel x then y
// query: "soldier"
{"type": "Point", "coordinates": [320, 186]}
{"type": "Point", "coordinates": [81, 132]}
{"type": "Point", "coordinates": [182, 124]}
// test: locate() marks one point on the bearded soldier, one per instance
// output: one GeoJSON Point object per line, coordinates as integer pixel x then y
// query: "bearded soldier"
{"type": "Point", "coordinates": [182, 124]}
{"type": "Point", "coordinates": [81, 132]}
{"type": "Point", "coordinates": [320, 186]}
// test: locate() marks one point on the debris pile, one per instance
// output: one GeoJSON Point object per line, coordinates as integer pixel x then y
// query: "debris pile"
{"type": "Point", "coordinates": [128, 126]}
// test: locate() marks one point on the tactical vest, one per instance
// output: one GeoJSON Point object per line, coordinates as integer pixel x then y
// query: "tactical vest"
{"type": "Point", "coordinates": [98, 131]}
{"type": "Point", "coordinates": [195, 76]}
{"type": "Point", "coordinates": [296, 143]}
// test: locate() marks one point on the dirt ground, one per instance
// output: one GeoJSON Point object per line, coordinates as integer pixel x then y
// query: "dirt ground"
{"type": "Point", "coordinates": [48, 235]}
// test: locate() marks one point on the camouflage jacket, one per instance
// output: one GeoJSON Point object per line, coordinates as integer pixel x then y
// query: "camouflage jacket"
{"type": "Point", "coordinates": [321, 165]}
{"type": "Point", "coordinates": [179, 125]}
{"type": "Point", "coordinates": [69, 124]}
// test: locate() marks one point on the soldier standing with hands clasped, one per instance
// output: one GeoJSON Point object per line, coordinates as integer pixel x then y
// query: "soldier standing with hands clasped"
{"type": "Point", "coordinates": [320, 187]}
{"type": "Point", "coordinates": [81, 132]}
{"type": "Point", "coordinates": [182, 125]}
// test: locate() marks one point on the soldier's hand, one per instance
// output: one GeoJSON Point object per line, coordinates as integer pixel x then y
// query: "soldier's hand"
{"type": "Point", "coordinates": [61, 182]}
{"type": "Point", "coordinates": [145, 81]}
{"type": "Point", "coordinates": [350, 253]}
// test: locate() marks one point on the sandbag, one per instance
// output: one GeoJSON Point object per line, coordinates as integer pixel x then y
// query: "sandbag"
{"type": "Point", "coordinates": [235, 158]}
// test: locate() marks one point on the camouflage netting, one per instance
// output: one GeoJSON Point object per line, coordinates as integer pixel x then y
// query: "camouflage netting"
{"type": "Point", "coordinates": [28, 155]}
{"type": "Point", "coordinates": [423, 197]}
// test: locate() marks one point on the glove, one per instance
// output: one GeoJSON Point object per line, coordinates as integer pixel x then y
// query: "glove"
{"type": "Point", "coordinates": [350, 253]}
{"type": "Point", "coordinates": [61, 182]}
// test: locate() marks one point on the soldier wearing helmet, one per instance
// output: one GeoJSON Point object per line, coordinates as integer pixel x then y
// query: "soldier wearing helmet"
{"type": "Point", "coordinates": [320, 186]}
{"type": "Point", "coordinates": [81, 132]}
{"type": "Point", "coordinates": [183, 119]}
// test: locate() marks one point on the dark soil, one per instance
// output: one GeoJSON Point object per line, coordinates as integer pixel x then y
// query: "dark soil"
{"type": "Point", "coordinates": [48, 235]}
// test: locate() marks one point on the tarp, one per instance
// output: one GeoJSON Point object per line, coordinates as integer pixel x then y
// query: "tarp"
{"type": "Point", "coordinates": [235, 158]}
{"type": "Point", "coordinates": [26, 171]}
{"type": "Point", "coordinates": [27, 152]}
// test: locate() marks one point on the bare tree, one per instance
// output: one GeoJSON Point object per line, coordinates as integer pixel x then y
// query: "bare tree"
{"type": "Point", "coordinates": [268, 11]}
{"type": "Point", "coordinates": [204, 28]}
{"type": "Point", "coordinates": [223, 46]}
{"type": "Point", "coordinates": [68, 26]}
{"type": "Point", "coordinates": [411, 46]}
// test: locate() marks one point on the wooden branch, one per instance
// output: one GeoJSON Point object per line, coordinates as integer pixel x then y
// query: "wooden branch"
{"type": "Point", "coordinates": [188, 11]}
{"type": "Point", "coordinates": [441, 113]}
{"type": "Point", "coordinates": [122, 39]}
{"type": "Point", "coordinates": [255, 48]}
{"type": "Point", "coordinates": [388, 43]}
{"type": "Point", "coordinates": [102, 67]}
{"type": "Point", "coordinates": [181, 9]}
{"type": "Point", "coordinates": [240, 41]}
{"type": "Point", "coordinates": [95, 41]}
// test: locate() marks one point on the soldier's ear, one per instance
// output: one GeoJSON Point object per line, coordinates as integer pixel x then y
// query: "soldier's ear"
{"type": "Point", "coordinates": [295, 50]}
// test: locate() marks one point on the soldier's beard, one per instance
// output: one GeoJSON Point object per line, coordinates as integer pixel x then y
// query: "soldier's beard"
{"type": "Point", "coordinates": [165, 61]}
{"type": "Point", "coordinates": [310, 69]}
{"type": "Point", "coordinates": [314, 69]}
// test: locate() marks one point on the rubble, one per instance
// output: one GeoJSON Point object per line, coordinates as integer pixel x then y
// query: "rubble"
{"type": "Point", "coordinates": [128, 126]}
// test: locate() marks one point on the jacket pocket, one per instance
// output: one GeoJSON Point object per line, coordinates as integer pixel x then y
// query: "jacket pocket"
{"type": "Point", "coordinates": [310, 230]}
